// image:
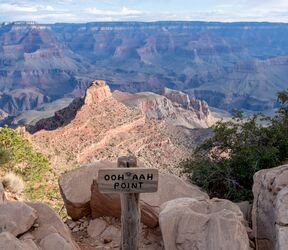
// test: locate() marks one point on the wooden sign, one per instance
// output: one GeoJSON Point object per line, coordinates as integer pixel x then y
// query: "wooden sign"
{"type": "Point", "coordinates": [128, 180]}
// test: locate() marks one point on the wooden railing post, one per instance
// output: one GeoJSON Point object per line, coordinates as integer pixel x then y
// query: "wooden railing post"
{"type": "Point", "coordinates": [130, 205]}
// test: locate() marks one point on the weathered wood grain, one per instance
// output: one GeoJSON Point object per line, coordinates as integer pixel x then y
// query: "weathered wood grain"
{"type": "Point", "coordinates": [130, 206]}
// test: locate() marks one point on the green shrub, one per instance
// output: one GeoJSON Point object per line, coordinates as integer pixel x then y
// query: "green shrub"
{"type": "Point", "coordinates": [224, 165]}
{"type": "Point", "coordinates": [18, 156]}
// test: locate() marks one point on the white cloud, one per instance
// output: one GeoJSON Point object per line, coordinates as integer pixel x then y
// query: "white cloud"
{"type": "Point", "coordinates": [110, 10]}
{"type": "Point", "coordinates": [123, 12]}
{"type": "Point", "coordinates": [49, 8]}
{"type": "Point", "coordinates": [7, 7]}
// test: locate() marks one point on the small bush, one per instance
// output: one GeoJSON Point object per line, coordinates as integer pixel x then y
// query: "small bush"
{"type": "Point", "coordinates": [13, 183]}
{"type": "Point", "coordinates": [224, 165]}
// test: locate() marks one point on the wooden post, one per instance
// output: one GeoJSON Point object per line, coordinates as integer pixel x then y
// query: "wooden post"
{"type": "Point", "coordinates": [130, 218]}
{"type": "Point", "coordinates": [129, 181]}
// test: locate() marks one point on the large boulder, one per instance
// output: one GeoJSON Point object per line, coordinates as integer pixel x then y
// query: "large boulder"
{"type": "Point", "coordinates": [75, 188]}
{"type": "Point", "coordinates": [188, 223]}
{"type": "Point", "coordinates": [169, 187]}
{"type": "Point", "coordinates": [9, 242]}
{"type": "Point", "coordinates": [36, 225]}
{"type": "Point", "coordinates": [16, 217]}
{"type": "Point", "coordinates": [51, 232]}
{"type": "Point", "coordinates": [270, 206]}
{"type": "Point", "coordinates": [55, 241]}
{"type": "Point", "coordinates": [79, 189]}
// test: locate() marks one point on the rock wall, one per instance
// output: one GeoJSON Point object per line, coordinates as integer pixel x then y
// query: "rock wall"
{"type": "Point", "coordinates": [270, 208]}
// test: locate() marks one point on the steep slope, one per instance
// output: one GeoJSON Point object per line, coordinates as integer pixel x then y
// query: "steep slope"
{"type": "Point", "coordinates": [104, 128]}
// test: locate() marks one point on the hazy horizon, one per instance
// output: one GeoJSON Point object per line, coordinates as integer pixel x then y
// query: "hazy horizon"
{"type": "Point", "coordinates": [83, 11]}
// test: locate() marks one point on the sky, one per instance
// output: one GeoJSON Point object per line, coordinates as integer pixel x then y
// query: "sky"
{"type": "Point", "coordinates": [51, 11]}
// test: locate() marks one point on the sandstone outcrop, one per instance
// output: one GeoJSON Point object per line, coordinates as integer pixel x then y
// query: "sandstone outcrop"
{"type": "Point", "coordinates": [97, 92]}
{"type": "Point", "coordinates": [202, 224]}
{"type": "Point", "coordinates": [177, 97]}
{"type": "Point", "coordinates": [32, 226]}
{"type": "Point", "coordinates": [270, 206]}
{"type": "Point", "coordinates": [75, 188]}
{"type": "Point", "coordinates": [200, 107]}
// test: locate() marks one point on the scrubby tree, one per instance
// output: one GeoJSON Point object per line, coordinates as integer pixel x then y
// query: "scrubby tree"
{"type": "Point", "coordinates": [224, 164]}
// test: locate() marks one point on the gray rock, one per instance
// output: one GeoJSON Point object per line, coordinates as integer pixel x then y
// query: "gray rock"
{"type": "Point", "coordinates": [110, 234]}
{"type": "Point", "coordinates": [9, 242]}
{"type": "Point", "coordinates": [55, 241]}
{"type": "Point", "coordinates": [75, 187]}
{"type": "Point", "coordinates": [270, 206]}
{"type": "Point", "coordinates": [16, 217]}
{"type": "Point", "coordinates": [50, 223]}
{"type": "Point", "coordinates": [96, 227]}
{"type": "Point", "coordinates": [188, 223]}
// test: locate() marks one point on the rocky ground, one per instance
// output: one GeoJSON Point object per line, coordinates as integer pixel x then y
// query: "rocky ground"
{"type": "Point", "coordinates": [178, 216]}
{"type": "Point", "coordinates": [105, 233]}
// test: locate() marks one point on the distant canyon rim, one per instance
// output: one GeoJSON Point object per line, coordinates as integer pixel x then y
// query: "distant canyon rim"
{"type": "Point", "coordinates": [229, 65]}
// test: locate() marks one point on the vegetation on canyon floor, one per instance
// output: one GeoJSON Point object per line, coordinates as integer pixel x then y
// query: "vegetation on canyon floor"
{"type": "Point", "coordinates": [224, 164]}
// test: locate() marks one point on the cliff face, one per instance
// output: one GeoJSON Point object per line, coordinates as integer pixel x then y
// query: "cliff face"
{"type": "Point", "coordinates": [237, 65]}
{"type": "Point", "coordinates": [97, 92]}
{"type": "Point", "coordinates": [173, 107]}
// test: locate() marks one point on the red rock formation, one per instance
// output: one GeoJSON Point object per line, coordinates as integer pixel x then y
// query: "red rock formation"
{"type": "Point", "coordinates": [97, 92]}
